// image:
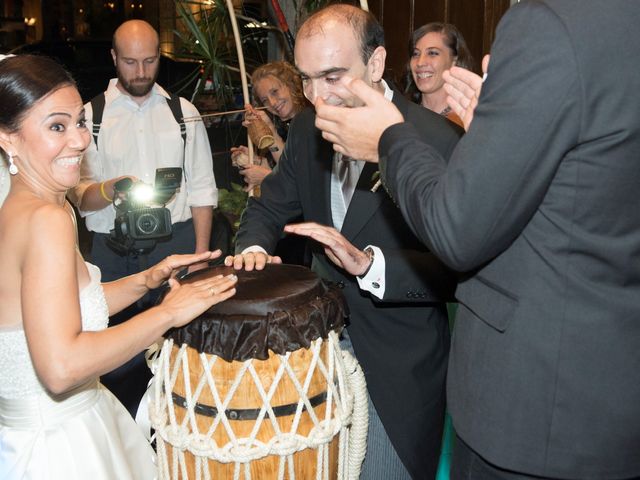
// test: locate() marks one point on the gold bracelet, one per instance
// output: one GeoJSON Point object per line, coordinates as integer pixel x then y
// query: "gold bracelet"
{"type": "Point", "coordinates": [104, 194]}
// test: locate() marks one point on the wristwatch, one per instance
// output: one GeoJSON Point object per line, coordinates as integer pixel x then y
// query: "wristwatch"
{"type": "Point", "coordinates": [370, 254]}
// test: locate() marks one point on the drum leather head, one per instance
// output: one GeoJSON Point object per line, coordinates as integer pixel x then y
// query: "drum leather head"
{"type": "Point", "coordinates": [281, 309]}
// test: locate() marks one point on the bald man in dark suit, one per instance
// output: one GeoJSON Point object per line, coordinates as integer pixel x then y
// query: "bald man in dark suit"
{"type": "Point", "coordinates": [398, 323]}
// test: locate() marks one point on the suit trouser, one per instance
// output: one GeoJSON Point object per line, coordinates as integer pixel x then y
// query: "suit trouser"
{"type": "Point", "coordinates": [381, 461]}
{"type": "Point", "coordinates": [129, 381]}
{"type": "Point", "coordinates": [468, 465]}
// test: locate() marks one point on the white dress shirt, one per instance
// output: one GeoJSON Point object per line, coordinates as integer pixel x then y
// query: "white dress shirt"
{"type": "Point", "coordinates": [135, 140]}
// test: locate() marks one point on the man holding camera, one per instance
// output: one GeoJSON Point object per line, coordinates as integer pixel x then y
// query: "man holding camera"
{"type": "Point", "coordinates": [136, 131]}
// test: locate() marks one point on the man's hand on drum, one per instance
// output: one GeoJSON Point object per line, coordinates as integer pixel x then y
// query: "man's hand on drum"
{"type": "Point", "coordinates": [250, 260]}
{"type": "Point", "coordinates": [184, 302]}
{"type": "Point", "coordinates": [170, 266]}
{"type": "Point", "coordinates": [339, 250]}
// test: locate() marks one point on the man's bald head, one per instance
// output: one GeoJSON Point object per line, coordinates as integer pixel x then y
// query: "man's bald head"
{"type": "Point", "coordinates": [134, 30]}
{"type": "Point", "coordinates": [335, 42]}
{"type": "Point", "coordinates": [363, 24]}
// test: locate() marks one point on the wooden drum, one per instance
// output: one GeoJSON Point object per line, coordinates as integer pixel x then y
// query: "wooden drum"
{"type": "Point", "coordinates": [257, 386]}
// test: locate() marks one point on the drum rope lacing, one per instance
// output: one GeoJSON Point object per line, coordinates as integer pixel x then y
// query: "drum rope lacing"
{"type": "Point", "coordinates": [346, 395]}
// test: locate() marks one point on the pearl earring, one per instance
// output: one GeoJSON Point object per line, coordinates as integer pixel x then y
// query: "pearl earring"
{"type": "Point", "coordinates": [13, 169]}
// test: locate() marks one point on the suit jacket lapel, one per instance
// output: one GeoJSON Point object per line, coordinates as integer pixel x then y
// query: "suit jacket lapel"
{"type": "Point", "coordinates": [364, 202]}
{"type": "Point", "coordinates": [321, 180]}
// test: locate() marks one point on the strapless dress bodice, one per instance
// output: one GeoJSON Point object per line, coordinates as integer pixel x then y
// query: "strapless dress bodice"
{"type": "Point", "coordinates": [18, 378]}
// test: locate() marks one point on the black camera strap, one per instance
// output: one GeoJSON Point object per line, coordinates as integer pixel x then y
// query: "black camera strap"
{"type": "Point", "coordinates": [98, 104]}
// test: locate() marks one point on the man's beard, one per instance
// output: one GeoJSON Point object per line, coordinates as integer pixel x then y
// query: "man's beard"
{"type": "Point", "coordinates": [138, 87]}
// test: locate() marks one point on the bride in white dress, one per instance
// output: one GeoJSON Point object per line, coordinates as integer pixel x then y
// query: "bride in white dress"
{"type": "Point", "coordinates": [56, 420]}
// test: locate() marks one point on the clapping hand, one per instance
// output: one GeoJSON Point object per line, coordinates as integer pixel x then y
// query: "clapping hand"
{"type": "Point", "coordinates": [463, 88]}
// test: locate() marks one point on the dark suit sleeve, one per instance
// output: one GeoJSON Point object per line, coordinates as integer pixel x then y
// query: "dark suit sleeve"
{"type": "Point", "coordinates": [264, 218]}
{"type": "Point", "coordinates": [416, 276]}
{"type": "Point", "coordinates": [527, 120]}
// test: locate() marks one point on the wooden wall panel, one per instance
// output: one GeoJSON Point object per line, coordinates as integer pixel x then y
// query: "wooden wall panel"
{"type": "Point", "coordinates": [398, 15]}
{"type": "Point", "coordinates": [476, 19]}
{"type": "Point", "coordinates": [470, 20]}
{"type": "Point", "coordinates": [430, 11]}
{"type": "Point", "coordinates": [493, 13]}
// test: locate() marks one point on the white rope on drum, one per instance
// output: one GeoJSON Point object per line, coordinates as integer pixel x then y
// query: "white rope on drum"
{"type": "Point", "coordinates": [346, 415]}
{"type": "Point", "coordinates": [360, 418]}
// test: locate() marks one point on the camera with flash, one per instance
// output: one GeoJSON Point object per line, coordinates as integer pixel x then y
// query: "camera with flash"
{"type": "Point", "coordinates": [141, 216]}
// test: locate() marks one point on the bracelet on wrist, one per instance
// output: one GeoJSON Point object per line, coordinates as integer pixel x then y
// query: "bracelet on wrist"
{"type": "Point", "coordinates": [104, 194]}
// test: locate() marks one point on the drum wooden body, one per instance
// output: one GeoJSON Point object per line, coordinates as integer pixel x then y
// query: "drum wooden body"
{"type": "Point", "coordinates": [282, 388]}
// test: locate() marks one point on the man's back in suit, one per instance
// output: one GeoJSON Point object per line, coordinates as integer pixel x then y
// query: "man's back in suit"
{"type": "Point", "coordinates": [540, 205]}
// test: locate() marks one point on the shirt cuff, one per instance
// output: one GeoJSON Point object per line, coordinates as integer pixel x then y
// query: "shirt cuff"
{"type": "Point", "coordinates": [204, 198]}
{"type": "Point", "coordinates": [254, 249]}
{"type": "Point", "coordinates": [373, 281]}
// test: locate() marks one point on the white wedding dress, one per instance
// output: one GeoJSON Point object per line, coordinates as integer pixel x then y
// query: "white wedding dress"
{"type": "Point", "coordinates": [85, 434]}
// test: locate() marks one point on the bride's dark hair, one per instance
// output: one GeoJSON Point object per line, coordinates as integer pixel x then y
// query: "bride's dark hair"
{"type": "Point", "coordinates": [24, 80]}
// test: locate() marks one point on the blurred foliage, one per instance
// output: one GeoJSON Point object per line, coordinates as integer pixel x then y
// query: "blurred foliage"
{"type": "Point", "coordinates": [206, 38]}
{"type": "Point", "coordinates": [308, 6]}
{"type": "Point", "coordinates": [304, 8]}
{"type": "Point", "coordinates": [232, 202]}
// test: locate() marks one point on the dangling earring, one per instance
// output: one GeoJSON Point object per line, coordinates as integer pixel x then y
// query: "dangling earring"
{"type": "Point", "coordinates": [13, 169]}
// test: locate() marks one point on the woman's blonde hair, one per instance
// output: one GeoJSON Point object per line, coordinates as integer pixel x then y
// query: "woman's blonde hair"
{"type": "Point", "coordinates": [287, 75]}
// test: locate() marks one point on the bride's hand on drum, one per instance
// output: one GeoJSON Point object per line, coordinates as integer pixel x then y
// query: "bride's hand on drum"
{"type": "Point", "coordinates": [171, 265]}
{"type": "Point", "coordinates": [339, 250]}
{"type": "Point", "coordinates": [184, 302]}
{"type": "Point", "coordinates": [250, 260]}
{"type": "Point", "coordinates": [123, 292]}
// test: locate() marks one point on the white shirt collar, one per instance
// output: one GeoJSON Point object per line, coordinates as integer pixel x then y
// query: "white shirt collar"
{"type": "Point", "coordinates": [113, 92]}
{"type": "Point", "coordinates": [388, 93]}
